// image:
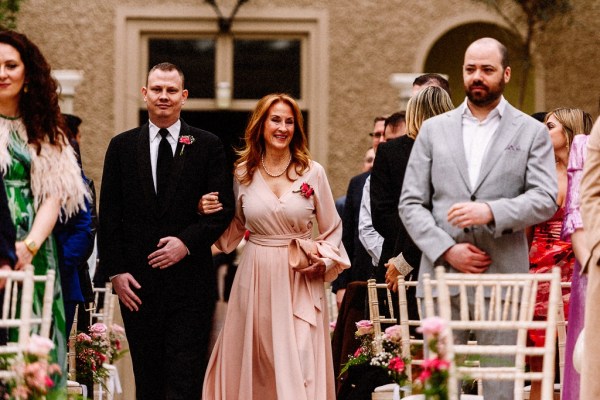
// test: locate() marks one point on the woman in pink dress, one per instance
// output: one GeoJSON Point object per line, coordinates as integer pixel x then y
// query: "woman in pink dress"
{"type": "Point", "coordinates": [275, 340]}
{"type": "Point", "coordinates": [551, 245]}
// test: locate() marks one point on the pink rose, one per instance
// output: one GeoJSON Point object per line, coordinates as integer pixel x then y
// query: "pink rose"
{"type": "Point", "coordinates": [39, 346]}
{"type": "Point", "coordinates": [98, 329]}
{"type": "Point", "coordinates": [425, 374]}
{"type": "Point", "coordinates": [396, 364]}
{"type": "Point", "coordinates": [118, 329]}
{"type": "Point", "coordinates": [83, 337]}
{"type": "Point", "coordinates": [432, 326]}
{"type": "Point", "coordinates": [364, 327]}
{"type": "Point", "coordinates": [394, 333]}
{"type": "Point", "coordinates": [358, 352]}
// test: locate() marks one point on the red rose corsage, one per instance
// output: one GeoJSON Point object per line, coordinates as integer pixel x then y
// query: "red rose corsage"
{"type": "Point", "coordinates": [305, 190]}
{"type": "Point", "coordinates": [186, 140]}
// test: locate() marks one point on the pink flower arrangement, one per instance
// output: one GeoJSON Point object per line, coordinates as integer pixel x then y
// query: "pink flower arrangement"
{"type": "Point", "coordinates": [389, 359]}
{"type": "Point", "coordinates": [305, 190]}
{"type": "Point", "coordinates": [433, 380]}
{"type": "Point", "coordinates": [33, 370]}
{"type": "Point", "coordinates": [100, 345]}
{"type": "Point", "coordinates": [432, 326]}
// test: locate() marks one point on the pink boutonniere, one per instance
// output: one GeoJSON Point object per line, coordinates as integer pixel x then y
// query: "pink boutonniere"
{"type": "Point", "coordinates": [186, 140]}
{"type": "Point", "coordinates": [305, 190]}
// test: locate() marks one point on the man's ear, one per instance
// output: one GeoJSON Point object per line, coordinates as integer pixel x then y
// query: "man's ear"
{"type": "Point", "coordinates": [507, 72]}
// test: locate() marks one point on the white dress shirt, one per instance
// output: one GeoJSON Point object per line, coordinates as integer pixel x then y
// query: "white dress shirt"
{"type": "Point", "coordinates": [368, 236]}
{"type": "Point", "coordinates": [155, 139]}
{"type": "Point", "coordinates": [477, 135]}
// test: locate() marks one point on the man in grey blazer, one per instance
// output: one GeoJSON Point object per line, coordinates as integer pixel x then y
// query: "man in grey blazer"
{"type": "Point", "coordinates": [476, 178]}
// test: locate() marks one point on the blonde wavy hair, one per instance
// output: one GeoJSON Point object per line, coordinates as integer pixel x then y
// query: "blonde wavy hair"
{"type": "Point", "coordinates": [573, 120]}
{"type": "Point", "coordinates": [427, 103]}
{"type": "Point", "coordinates": [249, 156]}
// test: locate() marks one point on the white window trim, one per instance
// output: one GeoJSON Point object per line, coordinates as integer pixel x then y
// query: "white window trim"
{"type": "Point", "coordinates": [134, 24]}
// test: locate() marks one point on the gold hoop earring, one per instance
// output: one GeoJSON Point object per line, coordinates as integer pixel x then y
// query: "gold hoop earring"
{"type": "Point", "coordinates": [25, 89]}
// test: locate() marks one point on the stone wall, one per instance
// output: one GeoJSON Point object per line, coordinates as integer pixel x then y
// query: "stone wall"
{"type": "Point", "coordinates": [368, 41]}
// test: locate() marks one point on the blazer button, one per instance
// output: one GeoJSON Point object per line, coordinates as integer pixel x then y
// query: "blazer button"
{"type": "Point", "coordinates": [466, 230]}
{"type": "Point", "coordinates": [473, 198]}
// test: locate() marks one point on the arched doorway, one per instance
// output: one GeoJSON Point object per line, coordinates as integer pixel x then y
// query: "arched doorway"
{"type": "Point", "coordinates": [447, 54]}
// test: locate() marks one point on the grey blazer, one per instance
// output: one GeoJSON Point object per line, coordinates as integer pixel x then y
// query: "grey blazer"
{"type": "Point", "coordinates": [517, 180]}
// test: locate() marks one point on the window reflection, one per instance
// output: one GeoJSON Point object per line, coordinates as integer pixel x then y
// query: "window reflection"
{"type": "Point", "coordinates": [266, 66]}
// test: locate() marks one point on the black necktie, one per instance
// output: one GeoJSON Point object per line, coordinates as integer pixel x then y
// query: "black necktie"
{"type": "Point", "coordinates": [163, 165]}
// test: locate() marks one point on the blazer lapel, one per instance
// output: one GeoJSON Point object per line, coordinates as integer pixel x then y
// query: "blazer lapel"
{"type": "Point", "coordinates": [177, 167]}
{"type": "Point", "coordinates": [508, 128]}
{"type": "Point", "coordinates": [145, 167]}
{"type": "Point", "coordinates": [454, 141]}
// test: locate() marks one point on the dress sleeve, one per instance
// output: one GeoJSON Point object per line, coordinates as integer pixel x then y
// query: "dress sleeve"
{"type": "Point", "coordinates": [572, 220]}
{"type": "Point", "coordinates": [329, 241]}
{"type": "Point", "coordinates": [235, 231]}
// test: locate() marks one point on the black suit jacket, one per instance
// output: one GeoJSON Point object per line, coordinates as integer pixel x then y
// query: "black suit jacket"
{"type": "Point", "coordinates": [386, 184]}
{"type": "Point", "coordinates": [361, 264]}
{"type": "Point", "coordinates": [131, 221]}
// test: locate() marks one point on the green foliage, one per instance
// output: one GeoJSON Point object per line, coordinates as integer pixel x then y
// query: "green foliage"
{"type": "Point", "coordinates": [8, 13]}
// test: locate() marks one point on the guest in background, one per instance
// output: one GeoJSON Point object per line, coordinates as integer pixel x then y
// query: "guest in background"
{"type": "Point", "coordinates": [75, 243]}
{"type": "Point", "coordinates": [83, 270]}
{"type": "Point", "coordinates": [41, 175]}
{"type": "Point", "coordinates": [427, 103]}
{"type": "Point", "coordinates": [572, 229]}
{"type": "Point", "coordinates": [360, 260]}
{"type": "Point", "coordinates": [275, 341]}
{"type": "Point", "coordinates": [547, 248]}
{"type": "Point", "coordinates": [590, 209]}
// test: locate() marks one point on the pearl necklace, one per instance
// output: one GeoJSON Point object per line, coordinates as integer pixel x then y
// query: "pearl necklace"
{"type": "Point", "coordinates": [262, 160]}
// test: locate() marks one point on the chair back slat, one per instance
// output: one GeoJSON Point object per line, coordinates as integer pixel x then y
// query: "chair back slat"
{"type": "Point", "coordinates": [500, 302]}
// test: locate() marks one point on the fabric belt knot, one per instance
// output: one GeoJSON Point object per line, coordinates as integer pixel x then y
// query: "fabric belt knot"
{"type": "Point", "coordinates": [276, 240]}
{"type": "Point", "coordinates": [307, 294]}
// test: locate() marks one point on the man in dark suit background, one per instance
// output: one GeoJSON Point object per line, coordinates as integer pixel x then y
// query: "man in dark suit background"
{"type": "Point", "coordinates": [154, 245]}
{"type": "Point", "coordinates": [386, 184]}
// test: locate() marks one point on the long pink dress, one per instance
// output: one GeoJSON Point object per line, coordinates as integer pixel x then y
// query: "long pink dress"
{"type": "Point", "coordinates": [275, 341]}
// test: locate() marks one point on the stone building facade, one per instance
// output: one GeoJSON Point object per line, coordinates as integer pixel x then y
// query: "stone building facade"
{"type": "Point", "coordinates": [348, 52]}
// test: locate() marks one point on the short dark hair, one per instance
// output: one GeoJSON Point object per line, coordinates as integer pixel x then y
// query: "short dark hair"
{"type": "Point", "coordinates": [504, 60]}
{"type": "Point", "coordinates": [395, 119]}
{"type": "Point", "coordinates": [540, 116]}
{"type": "Point", "coordinates": [167, 66]}
{"type": "Point", "coordinates": [378, 118]}
{"type": "Point", "coordinates": [437, 78]}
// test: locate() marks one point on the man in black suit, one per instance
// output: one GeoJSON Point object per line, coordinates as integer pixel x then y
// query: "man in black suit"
{"type": "Point", "coordinates": [154, 245]}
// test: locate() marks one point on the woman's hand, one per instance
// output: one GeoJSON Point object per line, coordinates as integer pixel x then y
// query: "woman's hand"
{"type": "Point", "coordinates": [209, 204]}
{"type": "Point", "coordinates": [316, 269]}
{"type": "Point", "coordinates": [24, 256]}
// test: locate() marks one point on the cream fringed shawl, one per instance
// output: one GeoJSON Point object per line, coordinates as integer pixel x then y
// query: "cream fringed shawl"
{"type": "Point", "coordinates": [54, 172]}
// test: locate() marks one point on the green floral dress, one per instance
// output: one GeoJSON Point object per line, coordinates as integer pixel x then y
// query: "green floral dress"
{"type": "Point", "coordinates": [21, 204]}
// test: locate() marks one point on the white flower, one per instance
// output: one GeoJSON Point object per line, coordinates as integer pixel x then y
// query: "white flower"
{"type": "Point", "coordinates": [39, 346]}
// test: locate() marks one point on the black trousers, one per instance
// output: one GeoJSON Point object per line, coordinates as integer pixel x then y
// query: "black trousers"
{"type": "Point", "coordinates": [169, 347]}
